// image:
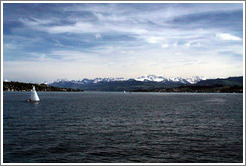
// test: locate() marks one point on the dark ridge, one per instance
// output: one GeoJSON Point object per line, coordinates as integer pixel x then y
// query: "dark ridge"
{"type": "Point", "coordinates": [21, 86]}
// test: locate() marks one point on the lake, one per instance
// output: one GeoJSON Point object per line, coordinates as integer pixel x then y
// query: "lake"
{"type": "Point", "coordinates": [116, 127]}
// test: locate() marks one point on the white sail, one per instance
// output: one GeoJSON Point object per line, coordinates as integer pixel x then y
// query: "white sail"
{"type": "Point", "coordinates": [34, 95]}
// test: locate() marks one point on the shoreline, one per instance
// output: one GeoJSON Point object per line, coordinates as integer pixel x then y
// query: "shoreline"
{"type": "Point", "coordinates": [129, 92]}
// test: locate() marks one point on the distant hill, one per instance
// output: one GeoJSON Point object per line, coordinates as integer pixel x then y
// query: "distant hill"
{"type": "Point", "coordinates": [20, 86]}
{"type": "Point", "coordinates": [231, 81]}
{"type": "Point", "coordinates": [199, 89]}
{"type": "Point", "coordinates": [227, 85]}
{"type": "Point", "coordinates": [129, 85]}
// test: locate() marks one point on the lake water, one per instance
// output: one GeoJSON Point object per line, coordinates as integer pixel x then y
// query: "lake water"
{"type": "Point", "coordinates": [106, 127]}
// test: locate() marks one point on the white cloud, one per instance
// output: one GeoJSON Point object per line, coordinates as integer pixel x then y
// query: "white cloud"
{"type": "Point", "coordinates": [175, 44]}
{"type": "Point", "coordinates": [98, 36]}
{"type": "Point", "coordinates": [35, 22]}
{"type": "Point", "coordinates": [78, 27]}
{"type": "Point", "coordinates": [164, 45]}
{"type": "Point", "coordinates": [153, 39]}
{"type": "Point", "coordinates": [227, 36]}
{"type": "Point", "coordinates": [187, 44]}
{"type": "Point", "coordinates": [192, 44]}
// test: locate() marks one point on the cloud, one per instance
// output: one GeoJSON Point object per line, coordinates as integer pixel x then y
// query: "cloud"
{"type": "Point", "coordinates": [187, 44]}
{"type": "Point", "coordinates": [227, 36]}
{"type": "Point", "coordinates": [9, 46]}
{"type": "Point", "coordinates": [154, 39]}
{"type": "Point", "coordinates": [78, 27]}
{"type": "Point", "coordinates": [164, 45]}
{"type": "Point", "coordinates": [192, 44]}
{"type": "Point", "coordinates": [126, 40]}
{"type": "Point", "coordinates": [98, 36]}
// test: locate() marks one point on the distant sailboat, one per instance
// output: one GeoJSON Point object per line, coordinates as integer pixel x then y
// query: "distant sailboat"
{"type": "Point", "coordinates": [124, 91]}
{"type": "Point", "coordinates": [34, 96]}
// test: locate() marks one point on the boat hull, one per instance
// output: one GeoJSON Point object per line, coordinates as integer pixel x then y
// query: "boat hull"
{"type": "Point", "coordinates": [32, 101]}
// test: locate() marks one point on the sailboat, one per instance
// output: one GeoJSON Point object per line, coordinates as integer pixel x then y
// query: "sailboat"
{"type": "Point", "coordinates": [34, 96]}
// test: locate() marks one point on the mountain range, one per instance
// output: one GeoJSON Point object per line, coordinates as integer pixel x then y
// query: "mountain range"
{"type": "Point", "coordinates": [154, 78]}
{"type": "Point", "coordinates": [149, 82]}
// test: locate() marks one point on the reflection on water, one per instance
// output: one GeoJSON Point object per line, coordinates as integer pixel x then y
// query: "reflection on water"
{"type": "Point", "coordinates": [35, 105]}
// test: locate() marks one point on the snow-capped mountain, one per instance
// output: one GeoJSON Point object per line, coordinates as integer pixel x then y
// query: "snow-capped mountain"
{"type": "Point", "coordinates": [151, 77]}
{"type": "Point", "coordinates": [96, 80]}
{"type": "Point", "coordinates": [191, 80]}
{"type": "Point", "coordinates": [89, 81]}
{"type": "Point", "coordinates": [195, 79]}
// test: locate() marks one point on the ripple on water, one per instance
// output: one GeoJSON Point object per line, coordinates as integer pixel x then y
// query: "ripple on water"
{"type": "Point", "coordinates": [119, 128]}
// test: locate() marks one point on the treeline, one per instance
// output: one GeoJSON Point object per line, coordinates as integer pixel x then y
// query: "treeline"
{"type": "Point", "coordinates": [20, 86]}
{"type": "Point", "coordinates": [199, 89]}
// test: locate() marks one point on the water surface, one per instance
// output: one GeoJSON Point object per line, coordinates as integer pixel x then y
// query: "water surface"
{"type": "Point", "coordinates": [102, 127]}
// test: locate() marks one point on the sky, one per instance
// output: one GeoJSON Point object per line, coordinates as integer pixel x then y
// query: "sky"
{"type": "Point", "coordinates": [46, 41]}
